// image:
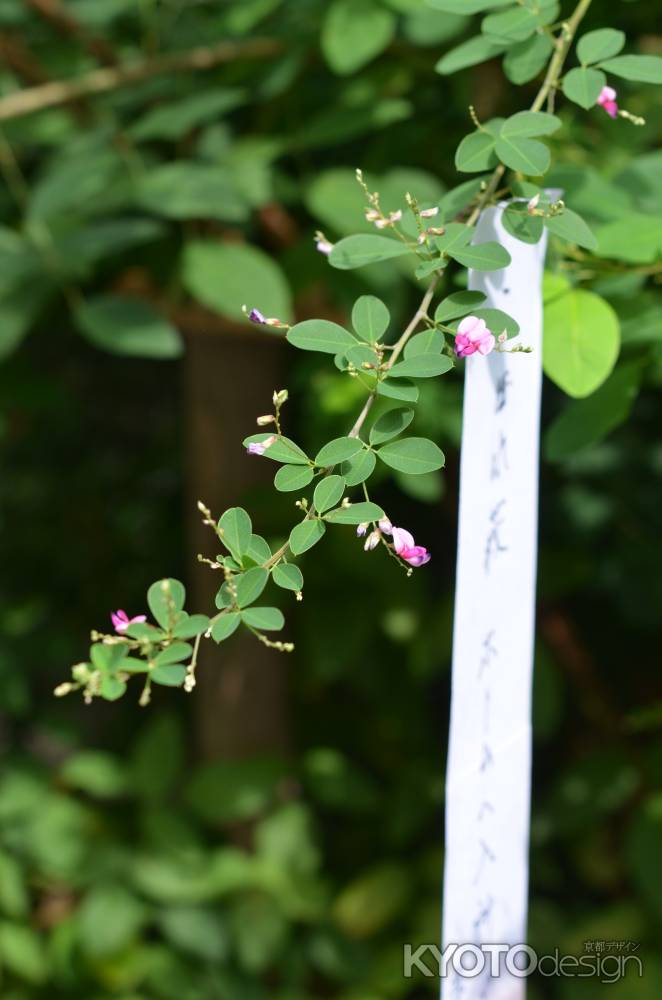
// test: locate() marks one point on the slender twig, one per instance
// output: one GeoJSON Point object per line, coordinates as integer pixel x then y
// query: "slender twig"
{"type": "Point", "coordinates": [101, 81]}
{"type": "Point", "coordinates": [555, 67]}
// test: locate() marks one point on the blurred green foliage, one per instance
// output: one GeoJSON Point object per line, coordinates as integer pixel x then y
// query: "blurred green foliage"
{"type": "Point", "coordinates": [125, 869]}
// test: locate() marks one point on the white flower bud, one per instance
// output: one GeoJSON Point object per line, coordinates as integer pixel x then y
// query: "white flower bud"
{"type": "Point", "coordinates": [372, 541]}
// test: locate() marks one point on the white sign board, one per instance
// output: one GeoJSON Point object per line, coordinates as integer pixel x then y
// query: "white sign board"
{"type": "Point", "coordinates": [489, 763]}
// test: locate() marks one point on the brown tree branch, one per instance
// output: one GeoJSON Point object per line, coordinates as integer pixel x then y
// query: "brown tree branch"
{"type": "Point", "coordinates": [101, 81]}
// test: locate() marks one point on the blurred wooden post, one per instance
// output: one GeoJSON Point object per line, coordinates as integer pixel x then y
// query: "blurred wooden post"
{"type": "Point", "coordinates": [230, 375]}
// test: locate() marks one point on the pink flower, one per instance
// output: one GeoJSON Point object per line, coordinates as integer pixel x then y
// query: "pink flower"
{"type": "Point", "coordinates": [404, 545]}
{"type": "Point", "coordinates": [323, 246]}
{"type": "Point", "coordinates": [472, 335]}
{"type": "Point", "coordinates": [607, 100]}
{"type": "Point", "coordinates": [429, 213]}
{"type": "Point", "coordinates": [259, 447]}
{"type": "Point", "coordinates": [121, 620]}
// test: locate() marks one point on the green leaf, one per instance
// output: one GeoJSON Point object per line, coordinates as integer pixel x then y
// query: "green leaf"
{"type": "Point", "coordinates": [258, 551]}
{"type": "Point", "coordinates": [583, 86]}
{"type": "Point", "coordinates": [644, 69]}
{"type": "Point", "coordinates": [321, 335]}
{"type": "Point", "coordinates": [103, 238]}
{"type": "Point", "coordinates": [288, 576]}
{"type": "Point", "coordinates": [390, 424]}
{"type": "Point", "coordinates": [250, 585]}
{"type": "Point", "coordinates": [128, 326]}
{"type": "Point", "coordinates": [364, 248]}
{"type": "Point", "coordinates": [477, 151]}
{"type": "Point", "coordinates": [525, 60]}
{"type": "Point", "coordinates": [571, 227]}
{"type": "Point", "coordinates": [354, 32]}
{"type": "Point", "coordinates": [175, 118]}
{"type": "Point", "coordinates": [517, 221]}
{"type": "Point", "coordinates": [405, 392]}
{"type": "Point", "coordinates": [22, 953]}
{"type": "Point", "coordinates": [236, 527]}
{"type": "Point", "coordinates": [586, 421]}
{"type": "Point", "coordinates": [598, 45]}
{"type": "Point", "coordinates": [526, 124]}
{"type": "Point", "coordinates": [107, 657]}
{"type": "Point", "coordinates": [190, 626]}
{"type": "Point", "coordinates": [14, 898]}
{"type": "Point", "coordinates": [306, 534]}
{"type": "Point", "coordinates": [527, 155]}
{"type": "Point", "coordinates": [112, 688]}
{"type": "Point", "coordinates": [414, 456]}
{"type": "Point", "coordinates": [470, 53]}
{"type": "Point", "coordinates": [328, 493]}
{"type": "Point", "coordinates": [370, 318]}
{"type": "Point", "coordinates": [467, 6]}
{"type": "Point", "coordinates": [170, 675]}
{"type": "Point", "coordinates": [581, 341]}
{"type": "Point", "coordinates": [356, 513]}
{"type": "Point", "coordinates": [226, 276]}
{"type": "Point", "coordinates": [108, 920]}
{"type": "Point", "coordinates": [176, 652]}
{"type": "Point", "coordinates": [456, 235]}
{"type": "Point", "coordinates": [428, 267]}
{"type": "Point", "coordinates": [282, 450]}
{"type": "Point", "coordinates": [293, 477]}
{"type": "Point", "coordinates": [428, 342]}
{"type": "Point", "coordinates": [488, 256]}
{"type": "Point", "coordinates": [94, 772]}
{"type": "Point", "coordinates": [225, 626]}
{"type": "Point", "coordinates": [338, 450]}
{"type": "Point", "coordinates": [166, 599]}
{"type": "Point", "coordinates": [223, 792]}
{"type": "Point", "coordinates": [359, 468]}
{"type": "Point", "coordinates": [264, 619]}
{"type": "Point", "coordinates": [458, 304]}
{"type": "Point", "coordinates": [635, 237]}
{"type": "Point", "coordinates": [189, 190]}
{"type": "Point", "coordinates": [498, 321]}
{"type": "Point", "coordinates": [422, 366]}
{"type": "Point", "coordinates": [520, 22]}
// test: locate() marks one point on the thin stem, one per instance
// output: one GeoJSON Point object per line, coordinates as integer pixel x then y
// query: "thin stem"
{"type": "Point", "coordinates": [555, 67]}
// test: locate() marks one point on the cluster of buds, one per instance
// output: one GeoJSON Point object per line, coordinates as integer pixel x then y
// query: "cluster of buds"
{"type": "Point", "coordinates": [83, 677]}
{"type": "Point", "coordinates": [373, 212]}
{"type": "Point", "coordinates": [380, 220]}
{"type": "Point", "coordinates": [545, 211]}
{"type": "Point", "coordinates": [278, 399]}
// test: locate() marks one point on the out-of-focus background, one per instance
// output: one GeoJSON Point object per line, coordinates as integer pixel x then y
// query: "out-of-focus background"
{"type": "Point", "coordinates": [278, 833]}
